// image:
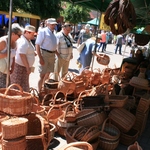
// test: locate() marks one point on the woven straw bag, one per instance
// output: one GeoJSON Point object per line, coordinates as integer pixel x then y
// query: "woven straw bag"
{"type": "Point", "coordinates": [15, 102]}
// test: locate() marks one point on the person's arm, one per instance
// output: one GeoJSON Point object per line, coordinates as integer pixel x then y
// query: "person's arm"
{"type": "Point", "coordinates": [25, 62]}
{"type": "Point", "coordinates": [2, 46]}
{"type": "Point", "coordinates": [41, 60]}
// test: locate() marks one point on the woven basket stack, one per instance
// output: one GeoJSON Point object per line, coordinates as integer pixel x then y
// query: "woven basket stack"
{"type": "Point", "coordinates": [14, 133]}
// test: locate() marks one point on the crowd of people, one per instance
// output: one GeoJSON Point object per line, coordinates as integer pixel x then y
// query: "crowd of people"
{"type": "Point", "coordinates": [54, 50]}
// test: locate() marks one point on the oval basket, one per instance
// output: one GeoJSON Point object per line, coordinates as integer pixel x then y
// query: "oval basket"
{"type": "Point", "coordinates": [109, 136]}
{"type": "Point", "coordinates": [14, 128]}
{"type": "Point", "coordinates": [15, 102]}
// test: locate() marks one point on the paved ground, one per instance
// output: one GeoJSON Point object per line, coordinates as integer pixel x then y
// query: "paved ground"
{"type": "Point", "coordinates": [116, 59]}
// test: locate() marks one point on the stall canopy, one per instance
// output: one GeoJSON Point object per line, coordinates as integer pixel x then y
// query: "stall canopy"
{"type": "Point", "coordinates": [142, 8]}
{"type": "Point", "coordinates": [94, 22]}
{"type": "Point", "coordinates": [17, 14]}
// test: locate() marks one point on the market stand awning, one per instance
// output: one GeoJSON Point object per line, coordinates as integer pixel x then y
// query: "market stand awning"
{"type": "Point", "coordinates": [26, 15]}
{"type": "Point", "coordinates": [94, 21]}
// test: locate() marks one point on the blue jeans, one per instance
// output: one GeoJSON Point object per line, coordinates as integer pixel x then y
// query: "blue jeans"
{"type": "Point", "coordinates": [103, 44]}
{"type": "Point", "coordinates": [118, 46]}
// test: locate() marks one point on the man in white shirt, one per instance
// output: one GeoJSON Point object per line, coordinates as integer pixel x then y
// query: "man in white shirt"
{"type": "Point", "coordinates": [46, 44]}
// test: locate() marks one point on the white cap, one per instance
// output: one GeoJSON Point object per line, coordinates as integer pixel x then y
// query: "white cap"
{"type": "Point", "coordinates": [87, 26]}
{"type": "Point", "coordinates": [51, 21]}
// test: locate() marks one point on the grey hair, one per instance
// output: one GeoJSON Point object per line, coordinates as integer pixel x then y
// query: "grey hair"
{"type": "Point", "coordinates": [16, 28]}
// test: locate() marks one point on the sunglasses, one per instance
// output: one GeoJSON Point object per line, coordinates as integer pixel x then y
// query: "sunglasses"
{"type": "Point", "coordinates": [19, 35]}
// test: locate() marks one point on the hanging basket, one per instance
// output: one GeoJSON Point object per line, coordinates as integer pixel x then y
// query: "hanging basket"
{"type": "Point", "coordinates": [103, 59]}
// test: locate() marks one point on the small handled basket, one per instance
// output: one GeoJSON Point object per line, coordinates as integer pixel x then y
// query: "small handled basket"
{"type": "Point", "coordinates": [135, 146]}
{"type": "Point", "coordinates": [103, 59]}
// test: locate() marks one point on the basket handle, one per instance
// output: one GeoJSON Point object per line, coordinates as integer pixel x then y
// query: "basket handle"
{"type": "Point", "coordinates": [65, 99]}
{"type": "Point", "coordinates": [49, 111]}
{"type": "Point", "coordinates": [88, 131]}
{"type": "Point", "coordinates": [66, 110]}
{"type": "Point", "coordinates": [17, 85]}
{"type": "Point", "coordinates": [88, 146]}
{"type": "Point", "coordinates": [104, 123]}
{"type": "Point", "coordinates": [45, 98]}
{"type": "Point", "coordinates": [80, 127]}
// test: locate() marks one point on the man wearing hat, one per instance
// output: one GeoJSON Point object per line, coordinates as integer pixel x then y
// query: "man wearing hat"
{"type": "Point", "coordinates": [46, 45]}
{"type": "Point", "coordinates": [24, 59]}
{"type": "Point", "coordinates": [64, 50]}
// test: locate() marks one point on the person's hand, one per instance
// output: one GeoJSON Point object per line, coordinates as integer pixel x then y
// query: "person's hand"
{"type": "Point", "coordinates": [42, 61]}
{"type": "Point", "coordinates": [28, 70]}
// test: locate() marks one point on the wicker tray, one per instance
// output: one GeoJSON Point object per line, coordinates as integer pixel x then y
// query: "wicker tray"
{"type": "Point", "coordinates": [14, 128]}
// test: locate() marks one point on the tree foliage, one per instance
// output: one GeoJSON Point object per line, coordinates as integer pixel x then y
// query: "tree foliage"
{"type": "Point", "coordinates": [75, 13]}
{"type": "Point", "coordinates": [42, 8]}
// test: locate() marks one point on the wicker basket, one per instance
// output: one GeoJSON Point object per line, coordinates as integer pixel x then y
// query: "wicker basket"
{"type": "Point", "coordinates": [141, 120]}
{"type": "Point", "coordinates": [78, 132]}
{"type": "Point", "coordinates": [46, 101]}
{"type": "Point", "coordinates": [77, 146]}
{"type": "Point", "coordinates": [116, 101]}
{"type": "Point", "coordinates": [52, 130]}
{"type": "Point", "coordinates": [60, 101]}
{"type": "Point", "coordinates": [53, 115]}
{"type": "Point", "coordinates": [15, 102]}
{"type": "Point", "coordinates": [109, 136]}
{"type": "Point", "coordinates": [38, 135]}
{"type": "Point", "coordinates": [130, 103]}
{"type": "Point", "coordinates": [130, 137]}
{"type": "Point", "coordinates": [122, 119]}
{"type": "Point", "coordinates": [135, 146]}
{"type": "Point", "coordinates": [19, 144]}
{"type": "Point", "coordinates": [89, 117]}
{"type": "Point", "coordinates": [14, 128]}
{"type": "Point", "coordinates": [66, 84]}
{"type": "Point", "coordinates": [143, 105]}
{"type": "Point", "coordinates": [103, 59]}
{"type": "Point", "coordinates": [3, 117]}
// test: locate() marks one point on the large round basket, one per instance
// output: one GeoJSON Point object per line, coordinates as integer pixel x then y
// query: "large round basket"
{"type": "Point", "coordinates": [103, 59]}
{"type": "Point", "coordinates": [15, 102]}
{"type": "Point", "coordinates": [14, 128]}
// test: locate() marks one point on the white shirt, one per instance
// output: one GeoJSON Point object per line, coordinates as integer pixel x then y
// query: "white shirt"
{"type": "Point", "coordinates": [46, 39]}
{"type": "Point", "coordinates": [25, 47]}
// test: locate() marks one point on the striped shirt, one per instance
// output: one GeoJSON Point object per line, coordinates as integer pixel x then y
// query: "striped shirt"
{"type": "Point", "coordinates": [64, 46]}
